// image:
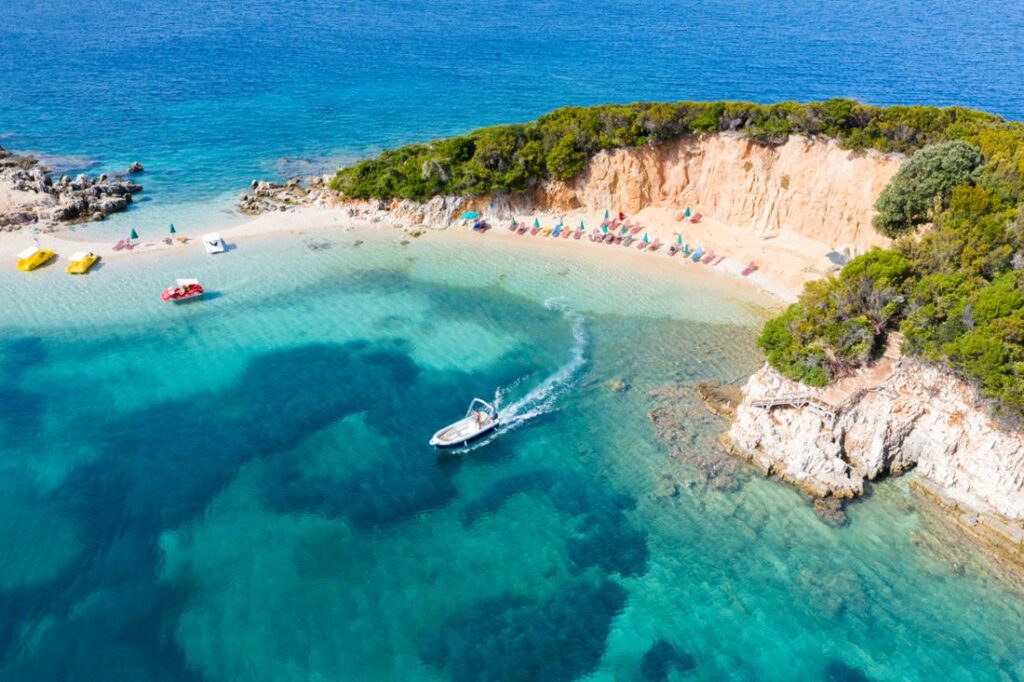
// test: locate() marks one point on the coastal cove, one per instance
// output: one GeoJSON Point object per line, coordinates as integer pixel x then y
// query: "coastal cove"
{"type": "Point", "coordinates": [735, 289]}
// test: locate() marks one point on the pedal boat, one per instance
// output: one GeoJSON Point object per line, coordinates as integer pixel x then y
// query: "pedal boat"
{"type": "Point", "coordinates": [213, 243]}
{"type": "Point", "coordinates": [81, 262]}
{"type": "Point", "coordinates": [32, 257]}
{"type": "Point", "coordinates": [481, 419]}
{"type": "Point", "coordinates": [184, 290]}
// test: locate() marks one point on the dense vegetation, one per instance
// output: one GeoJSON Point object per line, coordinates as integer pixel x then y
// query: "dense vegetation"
{"type": "Point", "coordinates": [557, 145]}
{"type": "Point", "coordinates": [956, 291]}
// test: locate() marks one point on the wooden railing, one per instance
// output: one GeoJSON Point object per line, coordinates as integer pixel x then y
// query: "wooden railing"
{"type": "Point", "coordinates": [797, 400]}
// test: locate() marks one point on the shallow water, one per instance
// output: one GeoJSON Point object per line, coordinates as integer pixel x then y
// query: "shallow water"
{"type": "Point", "coordinates": [240, 488]}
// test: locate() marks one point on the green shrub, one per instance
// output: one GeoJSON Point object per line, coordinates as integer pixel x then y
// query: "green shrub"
{"type": "Point", "coordinates": [922, 186]}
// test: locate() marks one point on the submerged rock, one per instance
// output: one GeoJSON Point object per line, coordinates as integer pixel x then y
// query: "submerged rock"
{"type": "Point", "coordinates": [135, 167]}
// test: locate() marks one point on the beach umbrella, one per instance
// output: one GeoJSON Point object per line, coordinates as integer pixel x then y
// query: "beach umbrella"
{"type": "Point", "coordinates": [172, 229]}
{"type": "Point", "coordinates": [469, 215]}
{"type": "Point", "coordinates": [606, 214]}
{"type": "Point", "coordinates": [515, 223]}
{"type": "Point", "coordinates": [536, 222]}
{"type": "Point", "coordinates": [581, 226]}
{"type": "Point", "coordinates": [134, 234]}
{"type": "Point", "coordinates": [645, 237]}
{"type": "Point", "coordinates": [686, 213]}
{"type": "Point", "coordinates": [604, 229]}
{"type": "Point", "coordinates": [679, 239]}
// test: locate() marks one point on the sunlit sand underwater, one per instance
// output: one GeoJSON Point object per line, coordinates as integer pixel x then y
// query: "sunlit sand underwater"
{"type": "Point", "coordinates": [241, 488]}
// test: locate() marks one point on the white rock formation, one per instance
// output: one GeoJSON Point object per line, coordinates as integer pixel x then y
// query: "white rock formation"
{"type": "Point", "coordinates": [916, 415]}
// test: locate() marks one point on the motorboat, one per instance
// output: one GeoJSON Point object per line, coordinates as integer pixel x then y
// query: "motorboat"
{"type": "Point", "coordinates": [213, 243]}
{"type": "Point", "coordinates": [33, 257]}
{"type": "Point", "coordinates": [183, 290]}
{"type": "Point", "coordinates": [481, 419]}
{"type": "Point", "coordinates": [81, 262]}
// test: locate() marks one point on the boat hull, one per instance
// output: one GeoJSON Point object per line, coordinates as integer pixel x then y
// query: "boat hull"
{"type": "Point", "coordinates": [441, 444]}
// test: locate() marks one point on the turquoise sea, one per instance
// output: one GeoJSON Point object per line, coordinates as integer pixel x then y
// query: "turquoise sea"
{"type": "Point", "coordinates": [241, 489]}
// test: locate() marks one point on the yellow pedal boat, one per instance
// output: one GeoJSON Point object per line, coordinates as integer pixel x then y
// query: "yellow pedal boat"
{"type": "Point", "coordinates": [81, 262]}
{"type": "Point", "coordinates": [32, 257]}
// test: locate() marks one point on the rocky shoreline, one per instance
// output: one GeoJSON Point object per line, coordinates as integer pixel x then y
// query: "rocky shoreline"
{"type": "Point", "coordinates": [910, 417]}
{"type": "Point", "coordinates": [30, 197]}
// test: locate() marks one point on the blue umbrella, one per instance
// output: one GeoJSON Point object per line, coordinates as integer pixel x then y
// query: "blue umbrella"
{"type": "Point", "coordinates": [469, 215]}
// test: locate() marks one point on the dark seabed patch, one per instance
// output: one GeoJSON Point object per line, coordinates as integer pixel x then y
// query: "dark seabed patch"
{"type": "Point", "coordinates": [662, 658]}
{"type": "Point", "coordinates": [837, 671]}
{"type": "Point", "coordinates": [556, 639]}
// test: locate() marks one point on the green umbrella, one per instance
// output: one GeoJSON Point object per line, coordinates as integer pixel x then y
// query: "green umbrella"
{"type": "Point", "coordinates": [604, 229]}
{"type": "Point", "coordinates": [679, 239]}
{"type": "Point", "coordinates": [515, 223]}
{"type": "Point", "coordinates": [686, 213]}
{"type": "Point", "coordinates": [606, 214]}
{"type": "Point", "coordinates": [645, 237]}
{"type": "Point", "coordinates": [172, 228]}
{"type": "Point", "coordinates": [134, 234]}
{"type": "Point", "coordinates": [623, 230]}
{"type": "Point", "coordinates": [581, 226]}
{"type": "Point", "coordinates": [536, 222]}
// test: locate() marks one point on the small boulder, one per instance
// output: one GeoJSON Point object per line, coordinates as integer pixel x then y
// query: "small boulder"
{"type": "Point", "coordinates": [135, 167]}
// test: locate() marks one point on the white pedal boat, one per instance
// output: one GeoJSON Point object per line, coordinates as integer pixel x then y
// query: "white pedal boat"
{"type": "Point", "coordinates": [213, 243]}
{"type": "Point", "coordinates": [481, 419]}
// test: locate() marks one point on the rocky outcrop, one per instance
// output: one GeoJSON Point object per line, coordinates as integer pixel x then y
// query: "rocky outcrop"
{"type": "Point", "coordinates": [30, 196]}
{"type": "Point", "coordinates": [915, 416]}
{"type": "Point", "coordinates": [808, 186]}
{"type": "Point", "coordinates": [264, 196]}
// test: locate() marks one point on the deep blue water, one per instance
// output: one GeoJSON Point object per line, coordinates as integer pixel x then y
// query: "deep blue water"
{"type": "Point", "coordinates": [241, 489]}
{"type": "Point", "coordinates": [211, 94]}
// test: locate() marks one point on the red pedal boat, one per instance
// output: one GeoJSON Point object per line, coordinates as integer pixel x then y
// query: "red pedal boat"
{"type": "Point", "coordinates": [184, 290]}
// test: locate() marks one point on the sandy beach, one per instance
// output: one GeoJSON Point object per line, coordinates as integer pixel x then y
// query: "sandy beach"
{"type": "Point", "coordinates": [785, 263]}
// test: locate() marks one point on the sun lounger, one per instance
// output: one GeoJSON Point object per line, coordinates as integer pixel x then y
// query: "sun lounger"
{"type": "Point", "coordinates": [696, 218]}
{"type": "Point", "coordinates": [708, 258]}
{"type": "Point", "coordinates": [697, 254]}
{"type": "Point", "coordinates": [119, 245]}
{"type": "Point", "coordinates": [751, 266]}
{"type": "Point", "coordinates": [655, 245]}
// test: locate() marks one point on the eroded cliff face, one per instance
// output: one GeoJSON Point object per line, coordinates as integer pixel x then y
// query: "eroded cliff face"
{"type": "Point", "coordinates": [807, 186]}
{"type": "Point", "coordinates": [917, 416]}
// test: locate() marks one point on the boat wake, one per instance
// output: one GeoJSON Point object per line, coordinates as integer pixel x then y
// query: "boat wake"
{"type": "Point", "coordinates": [544, 398]}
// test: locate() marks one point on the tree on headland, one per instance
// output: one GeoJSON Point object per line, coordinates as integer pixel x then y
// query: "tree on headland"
{"type": "Point", "coordinates": [922, 186]}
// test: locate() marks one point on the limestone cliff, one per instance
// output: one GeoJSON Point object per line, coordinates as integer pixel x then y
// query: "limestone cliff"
{"type": "Point", "coordinates": [808, 186]}
{"type": "Point", "coordinates": [908, 415]}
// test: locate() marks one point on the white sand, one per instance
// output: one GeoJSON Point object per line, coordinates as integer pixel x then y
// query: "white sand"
{"type": "Point", "coordinates": [785, 262]}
